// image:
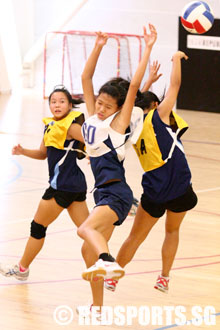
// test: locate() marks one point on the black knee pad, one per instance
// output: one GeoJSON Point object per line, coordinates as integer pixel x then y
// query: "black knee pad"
{"type": "Point", "coordinates": [37, 231]}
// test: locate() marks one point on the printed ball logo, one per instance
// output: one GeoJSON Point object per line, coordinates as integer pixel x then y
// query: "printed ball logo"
{"type": "Point", "coordinates": [197, 17]}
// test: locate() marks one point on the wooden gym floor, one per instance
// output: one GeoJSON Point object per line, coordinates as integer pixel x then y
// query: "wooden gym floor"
{"type": "Point", "coordinates": [55, 275]}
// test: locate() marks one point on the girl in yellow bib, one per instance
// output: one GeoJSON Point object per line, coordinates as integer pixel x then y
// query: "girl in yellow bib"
{"type": "Point", "coordinates": [167, 179]}
{"type": "Point", "coordinates": [61, 145]}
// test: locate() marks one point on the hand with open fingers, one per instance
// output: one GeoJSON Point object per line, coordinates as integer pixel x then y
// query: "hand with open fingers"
{"type": "Point", "coordinates": [179, 54]}
{"type": "Point", "coordinates": [150, 38]}
{"type": "Point", "coordinates": [101, 38]}
{"type": "Point", "coordinates": [153, 73]}
{"type": "Point", "coordinates": [17, 150]}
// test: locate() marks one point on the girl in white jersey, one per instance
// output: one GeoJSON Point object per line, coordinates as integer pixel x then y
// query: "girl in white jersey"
{"type": "Point", "coordinates": [111, 124]}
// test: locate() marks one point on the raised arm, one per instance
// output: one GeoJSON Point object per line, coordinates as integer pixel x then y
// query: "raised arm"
{"type": "Point", "coordinates": [166, 106]}
{"type": "Point", "coordinates": [153, 76]}
{"type": "Point", "coordinates": [89, 70]}
{"type": "Point", "coordinates": [40, 153]}
{"type": "Point", "coordinates": [122, 121]}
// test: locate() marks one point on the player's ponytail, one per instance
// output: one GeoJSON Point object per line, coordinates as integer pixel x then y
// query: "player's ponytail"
{"type": "Point", "coordinates": [144, 100]}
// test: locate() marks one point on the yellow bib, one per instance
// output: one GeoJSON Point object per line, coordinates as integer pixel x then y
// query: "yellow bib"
{"type": "Point", "coordinates": [147, 147]}
{"type": "Point", "coordinates": [56, 130]}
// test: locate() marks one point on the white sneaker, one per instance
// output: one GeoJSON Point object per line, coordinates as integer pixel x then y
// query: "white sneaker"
{"type": "Point", "coordinates": [14, 271]}
{"type": "Point", "coordinates": [113, 271]}
{"type": "Point", "coordinates": [95, 272]}
{"type": "Point", "coordinates": [103, 269]}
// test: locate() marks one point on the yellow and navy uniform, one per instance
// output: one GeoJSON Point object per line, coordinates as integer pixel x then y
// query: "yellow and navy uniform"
{"type": "Point", "coordinates": [161, 154]}
{"type": "Point", "coordinates": [64, 173]}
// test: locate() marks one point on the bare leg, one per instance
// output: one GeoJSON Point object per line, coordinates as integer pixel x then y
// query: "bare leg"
{"type": "Point", "coordinates": [90, 258]}
{"type": "Point", "coordinates": [91, 231]}
{"type": "Point", "coordinates": [47, 212]}
{"type": "Point", "coordinates": [171, 241]}
{"type": "Point", "coordinates": [143, 224]}
{"type": "Point", "coordinates": [78, 212]}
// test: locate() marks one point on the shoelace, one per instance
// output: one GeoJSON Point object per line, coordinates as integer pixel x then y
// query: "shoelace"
{"type": "Point", "coordinates": [11, 272]}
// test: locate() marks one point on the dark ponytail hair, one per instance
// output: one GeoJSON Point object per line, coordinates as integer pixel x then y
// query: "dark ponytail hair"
{"type": "Point", "coordinates": [144, 100]}
{"type": "Point", "coordinates": [116, 88]}
{"type": "Point", "coordinates": [63, 89]}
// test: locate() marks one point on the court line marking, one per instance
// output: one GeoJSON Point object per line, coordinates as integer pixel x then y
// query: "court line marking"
{"type": "Point", "coordinates": [128, 219]}
{"type": "Point", "coordinates": [176, 325]}
{"type": "Point", "coordinates": [127, 274]}
{"type": "Point", "coordinates": [19, 173]}
{"type": "Point", "coordinates": [206, 212]}
{"type": "Point", "coordinates": [26, 237]}
{"type": "Point", "coordinates": [207, 190]}
{"type": "Point", "coordinates": [201, 142]}
{"type": "Point", "coordinates": [14, 222]}
{"type": "Point", "coordinates": [8, 193]}
{"type": "Point", "coordinates": [137, 260]}
{"type": "Point", "coordinates": [206, 158]}
{"type": "Point", "coordinates": [175, 268]}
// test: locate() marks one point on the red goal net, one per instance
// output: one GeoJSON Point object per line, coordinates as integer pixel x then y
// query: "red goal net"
{"type": "Point", "coordinates": [65, 54]}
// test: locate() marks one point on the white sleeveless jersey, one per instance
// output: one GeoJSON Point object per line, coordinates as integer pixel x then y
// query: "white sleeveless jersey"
{"type": "Point", "coordinates": [97, 132]}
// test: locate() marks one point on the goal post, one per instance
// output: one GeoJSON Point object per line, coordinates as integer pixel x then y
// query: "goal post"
{"type": "Point", "coordinates": [65, 54]}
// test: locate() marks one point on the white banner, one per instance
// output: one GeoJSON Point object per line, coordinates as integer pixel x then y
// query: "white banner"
{"type": "Point", "coordinates": [203, 42]}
